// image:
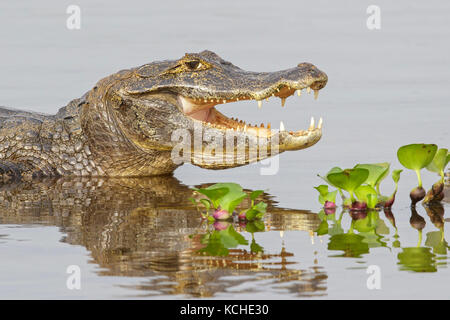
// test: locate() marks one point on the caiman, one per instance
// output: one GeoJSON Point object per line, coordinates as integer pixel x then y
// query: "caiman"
{"type": "Point", "coordinates": [124, 125]}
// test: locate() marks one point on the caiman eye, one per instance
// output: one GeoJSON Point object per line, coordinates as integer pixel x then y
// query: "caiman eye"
{"type": "Point", "coordinates": [194, 65]}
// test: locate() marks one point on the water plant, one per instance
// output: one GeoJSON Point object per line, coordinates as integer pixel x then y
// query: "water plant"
{"type": "Point", "coordinates": [416, 157]}
{"type": "Point", "coordinates": [396, 177]}
{"type": "Point", "coordinates": [349, 180]}
{"type": "Point", "coordinates": [223, 198]}
{"type": "Point", "coordinates": [438, 164]}
{"type": "Point", "coordinates": [377, 173]}
{"type": "Point", "coordinates": [362, 182]}
{"type": "Point", "coordinates": [368, 195]}
{"type": "Point", "coordinates": [327, 198]}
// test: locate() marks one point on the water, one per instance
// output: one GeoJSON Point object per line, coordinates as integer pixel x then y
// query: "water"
{"type": "Point", "coordinates": [131, 239]}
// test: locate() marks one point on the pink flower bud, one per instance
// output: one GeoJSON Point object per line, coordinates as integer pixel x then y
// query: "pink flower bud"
{"type": "Point", "coordinates": [221, 214]}
{"type": "Point", "coordinates": [329, 205]}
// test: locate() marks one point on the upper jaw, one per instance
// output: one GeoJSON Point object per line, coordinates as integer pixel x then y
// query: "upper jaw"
{"type": "Point", "coordinates": [202, 110]}
{"type": "Point", "coordinates": [256, 86]}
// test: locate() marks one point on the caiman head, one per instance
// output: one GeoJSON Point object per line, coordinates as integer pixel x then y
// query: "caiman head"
{"type": "Point", "coordinates": [159, 115]}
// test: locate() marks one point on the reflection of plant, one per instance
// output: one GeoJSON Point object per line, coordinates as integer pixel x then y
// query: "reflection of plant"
{"type": "Point", "coordinates": [224, 237]}
{"type": "Point", "coordinates": [436, 241]}
{"type": "Point", "coordinates": [417, 259]}
{"type": "Point", "coordinates": [352, 244]}
{"type": "Point", "coordinates": [224, 198]}
{"type": "Point", "coordinates": [219, 241]}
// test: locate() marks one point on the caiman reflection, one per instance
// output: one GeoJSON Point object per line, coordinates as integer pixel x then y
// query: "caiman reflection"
{"type": "Point", "coordinates": [148, 228]}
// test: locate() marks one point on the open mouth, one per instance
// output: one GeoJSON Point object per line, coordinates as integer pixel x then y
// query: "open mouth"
{"type": "Point", "coordinates": [203, 109]}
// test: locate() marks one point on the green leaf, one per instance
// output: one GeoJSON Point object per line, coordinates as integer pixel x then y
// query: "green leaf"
{"type": "Point", "coordinates": [440, 161]}
{"type": "Point", "coordinates": [214, 193]}
{"type": "Point", "coordinates": [372, 200]}
{"type": "Point", "coordinates": [226, 195]}
{"type": "Point", "coordinates": [206, 203]}
{"type": "Point", "coordinates": [367, 194]}
{"type": "Point", "coordinates": [255, 194]}
{"type": "Point", "coordinates": [256, 212]}
{"type": "Point", "coordinates": [323, 189]}
{"type": "Point", "coordinates": [377, 172]}
{"type": "Point", "coordinates": [349, 179]}
{"type": "Point", "coordinates": [387, 165]}
{"type": "Point", "coordinates": [233, 198]}
{"type": "Point", "coordinates": [255, 248]}
{"type": "Point", "coordinates": [323, 192]}
{"type": "Point", "coordinates": [255, 226]}
{"type": "Point", "coordinates": [323, 228]}
{"type": "Point", "coordinates": [416, 156]}
{"type": "Point", "coordinates": [396, 175]}
{"type": "Point", "coordinates": [331, 196]}
{"type": "Point", "coordinates": [333, 170]}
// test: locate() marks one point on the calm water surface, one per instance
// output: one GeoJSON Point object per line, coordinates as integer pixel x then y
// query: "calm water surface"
{"type": "Point", "coordinates": [136, 238]}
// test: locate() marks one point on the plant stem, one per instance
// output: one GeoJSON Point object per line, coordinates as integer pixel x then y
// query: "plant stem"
{"type": "Point", "coordinates": [419, 178]}
{"type": "Point", "coordinates": [420, 239]}
{"type": "Point", "coordinates": [351, 196]}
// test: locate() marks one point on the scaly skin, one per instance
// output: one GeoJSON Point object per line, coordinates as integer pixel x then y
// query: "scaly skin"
{"type": "Point", "coordinates": [124, 126]}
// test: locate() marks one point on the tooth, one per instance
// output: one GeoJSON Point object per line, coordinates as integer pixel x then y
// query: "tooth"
{"type": "Point", "coordinates": [283, 101]}
{"type": "Point", "coordinates": [311, 124]}
{"type": "Point", "coordinates": [245, 127]}
{"type": "Point", "coordinates": [259, 104]}
{"type": "Point", "coordinates": [308, 90]}
{"type": "Point", "coordinates": [224, 101]}
{"type": "Point", "coordinates": [205, 100]}
{"type": "Point", "coordinates": [281, 126]}
{"type": "Point", "coordinates": [316, 94]}
{"type": "Point", "coordinates": [299, 92]}
{"type": "Point", "coordinates": [319, 126]}
{"type": "Point", "coordinates": [237, 99]}
{"type": "Point", "coordinates": [212, 100]}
